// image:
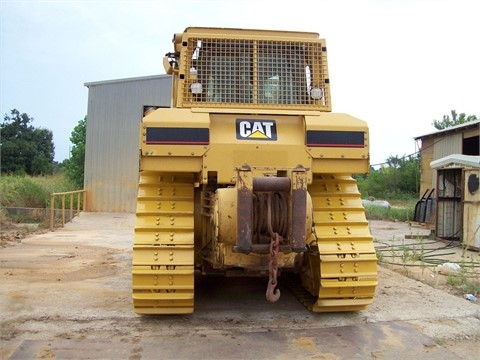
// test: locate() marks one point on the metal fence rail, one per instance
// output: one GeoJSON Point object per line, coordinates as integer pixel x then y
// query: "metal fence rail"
{"type": "Point", "coordinates": [81, 202]}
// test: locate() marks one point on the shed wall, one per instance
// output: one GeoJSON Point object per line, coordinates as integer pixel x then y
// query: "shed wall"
{"type": "Point", "coordinates": [114, 114]}
{"type": "Point", "coordinates": [427, 180]}
{"type": "Point", "coordinates": [451, 144]}
{"type": "Point", "coordinates": [437, 146]}
{"type": "Point", "coordinates": [448, 212]}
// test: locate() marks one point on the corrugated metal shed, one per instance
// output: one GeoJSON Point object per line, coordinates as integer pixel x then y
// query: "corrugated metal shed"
{"type": "Point", "coordinates": [450, 160]}
{"type": "Point", "coordinates": [441, 143]}
{"type": "Point", "coordinates": [115, 109]}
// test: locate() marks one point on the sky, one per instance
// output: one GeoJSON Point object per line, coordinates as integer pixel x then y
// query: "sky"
{"type": "Point", "coordinates": [397, 64]}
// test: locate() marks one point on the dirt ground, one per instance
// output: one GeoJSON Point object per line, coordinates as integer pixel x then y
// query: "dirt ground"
{"type": "Point", "coordinates": [71, 289]}
{"type": "Point", "coordinates": [409, 249]}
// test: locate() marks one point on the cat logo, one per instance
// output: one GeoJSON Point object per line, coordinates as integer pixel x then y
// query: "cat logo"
{"type": "Point", "coordinates": [256, 129]}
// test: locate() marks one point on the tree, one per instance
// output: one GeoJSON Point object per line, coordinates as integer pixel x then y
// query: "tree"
{"type": "Point", "coordinates": [399, 177]}
{"type": "Point", "coordinates": [75, 165]}
{"type": "Point", "coordinates": [25, 149]}
{"type": "Point", "coordinates": [455, 119]}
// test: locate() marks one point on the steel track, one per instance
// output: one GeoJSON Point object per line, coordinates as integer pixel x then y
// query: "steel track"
{"type": "Point", "coordinates": [341, 264]}
{"type": "Point", "coordinates": [163, 250]}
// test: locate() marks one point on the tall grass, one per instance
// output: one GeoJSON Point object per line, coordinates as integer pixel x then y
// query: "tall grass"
{"type": "Point", "coordinates": [398, 211]}
{"type": "Point", "coordinates": [31, 192]}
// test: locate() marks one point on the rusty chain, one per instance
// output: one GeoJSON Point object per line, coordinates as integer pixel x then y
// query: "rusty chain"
{"type": "Point", "coordinates": [272, 294]}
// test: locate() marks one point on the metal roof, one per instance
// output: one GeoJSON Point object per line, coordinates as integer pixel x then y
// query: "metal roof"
{"type": "Point", "coordinates": [456, 161]}
{"type": "Point", "coordinates": [455, 128]}
{"type": "Point", "coordinates": [139, 78]}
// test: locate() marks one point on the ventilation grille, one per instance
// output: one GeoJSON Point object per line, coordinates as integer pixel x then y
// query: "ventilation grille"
{"type": "Point", "coordinates": [251, 73]}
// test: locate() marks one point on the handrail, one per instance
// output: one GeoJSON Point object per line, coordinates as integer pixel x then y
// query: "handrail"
{"type": "Point", "coordinates": [63, 194]}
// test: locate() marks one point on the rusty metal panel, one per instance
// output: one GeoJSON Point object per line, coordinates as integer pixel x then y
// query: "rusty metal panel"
{"type": "Point", "coordinates": [245, 210]}
{"type": "Point", "coordinates": [115, 110]}
{"type": "Point", "coordinates": [449, 203]}
{"type": "Point", "coordinates": [471, 209]}
{"type": "Point", "coordinates": [299, 209]}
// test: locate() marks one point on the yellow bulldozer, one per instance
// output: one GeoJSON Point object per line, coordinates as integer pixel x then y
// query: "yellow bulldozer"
{"type": "Point", "coordinates": [248, 171]}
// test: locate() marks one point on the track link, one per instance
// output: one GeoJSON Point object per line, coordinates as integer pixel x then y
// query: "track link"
{"type": "Point", "coordinates": [341, 270]}
{"type": "Point", "coordinates": [163, 250]}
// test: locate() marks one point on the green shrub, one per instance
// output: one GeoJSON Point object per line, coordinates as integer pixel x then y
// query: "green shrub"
{"type": "Point", "coordinates": [393, 213]}
{"type": "Point", "coordinates": [30, 192]}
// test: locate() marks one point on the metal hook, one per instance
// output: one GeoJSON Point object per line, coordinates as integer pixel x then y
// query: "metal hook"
{"type": "Point", "coordinates": [272, 294]}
